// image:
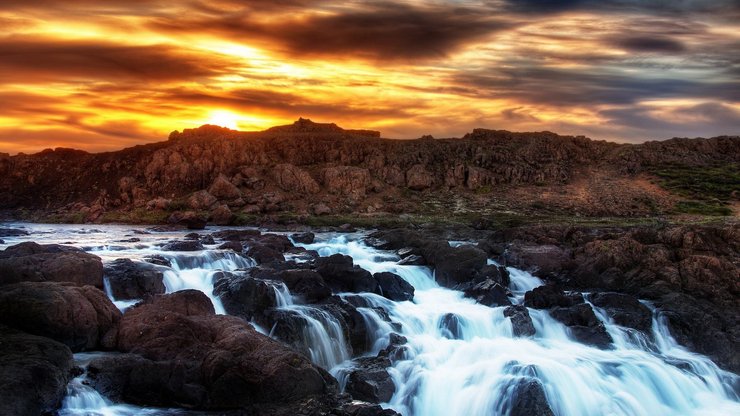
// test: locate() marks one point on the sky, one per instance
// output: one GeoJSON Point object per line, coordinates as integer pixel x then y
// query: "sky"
{"type": "Point", "coordinates": [102, 75]}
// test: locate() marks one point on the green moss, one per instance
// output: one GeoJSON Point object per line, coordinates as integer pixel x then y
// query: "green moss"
{"type": "Point", "coordinates": [720, 182]}
{"type": "Point", "coordinates": [702, 208]}
{"type": "Point", "coordinates": [136, 216]}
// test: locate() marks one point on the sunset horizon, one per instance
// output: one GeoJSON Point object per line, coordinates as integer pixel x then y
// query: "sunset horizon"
{"type": "Point", "coordinates": [105, 76]}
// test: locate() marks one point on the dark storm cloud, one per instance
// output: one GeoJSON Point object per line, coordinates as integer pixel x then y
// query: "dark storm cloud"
{"type": "Point", "coordinates": [379, 31]}
{"type": "Point", "coordinates": [43, 60]}
{"type": "Point", "coordinates": [650, 44]}
{"type": "Point", "coordinates": [250, 100]}
{"type": "Point", "coordinates": [638, 6]}
{"type": "Point", "coordinates": [566, 87]}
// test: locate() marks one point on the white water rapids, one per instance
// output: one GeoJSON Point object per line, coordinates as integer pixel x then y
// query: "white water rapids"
{"type": "Point", "coordinates": [475, 374]}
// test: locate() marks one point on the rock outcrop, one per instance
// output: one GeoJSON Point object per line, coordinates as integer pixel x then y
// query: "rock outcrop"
{"type": "Point", "coordinates": [32, 262]}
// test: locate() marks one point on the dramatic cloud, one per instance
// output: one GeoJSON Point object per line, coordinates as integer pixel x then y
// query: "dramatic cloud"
{"type": "Point", "coordinates": [101, 75]}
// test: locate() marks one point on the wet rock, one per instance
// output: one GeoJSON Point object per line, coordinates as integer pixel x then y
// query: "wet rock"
{"type": "Point", "coordinates": [158, 260]}
{"type": "Point", "coordinates": [583, 324]}
{"type": "Point", "coordinates": [31, 262]}
{"type": "Point", "coordinates": [243, 295]}
{"type": "Point", "coordinates": [34, 372]}
{"type": "Point", "coordinates": [307, 284]}
{"type": "Point", "coordinates": [450, 326]}
{"type": "Point", "coordinates": [412, 260]}
{"type": "Point", "coordinates": [370, 380]}
{"type": "Point", "coordinates": [357, 408]}
{"type": "Point", "coordinates": [487, 292]}
{"type": "Point", "coordinates": [625, 310]}
{"type": "Point", "coordinates": [521, 322]}
{"type": "Point", "coordinates": [394, 287]}
{"type": "Point", "coordinates": [130, 280]}
{"type": "Point", "coordinates": [83, 318]}
{"type": "Point", "coordinates": [454, 265]}
{"type": "Point", "coordinates": [236, 235]}
{"type": "Point", "coordinates": [549, 296]}
{"type": "Point", "coordinates": [12, 232]}
{"type": "Point", "coordinates": [204, 361]}
{"type": "Point", "coordinates": [546, 260]}
{"type": "Point", "coordinates": [529, 400]}
{"type": "Point", "coordinates": [232, 245]}
{"type": "Point", "coordinates": [188, 245]}
{"type": "Point", "coordinates": [265, 255]}
{"type": "Point", "coordinates": [396, 349]}
{"type": "Point", "coordinates": [303, 238]}
{"type": "Point", "coordinates": [340, 273]}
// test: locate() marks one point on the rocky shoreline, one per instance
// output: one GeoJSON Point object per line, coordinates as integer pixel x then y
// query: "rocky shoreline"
{"type": "Point", "coordinates": [174, 351]}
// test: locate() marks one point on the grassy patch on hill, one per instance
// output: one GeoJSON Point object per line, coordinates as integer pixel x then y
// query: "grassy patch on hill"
{"type": "Point", "coordinates": [707, 190]}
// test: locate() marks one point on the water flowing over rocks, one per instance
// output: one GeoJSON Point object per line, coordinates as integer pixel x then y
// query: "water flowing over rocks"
{"type": "Point", "coordinates": [129, 280]}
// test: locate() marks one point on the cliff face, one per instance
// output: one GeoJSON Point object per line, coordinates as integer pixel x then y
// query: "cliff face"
{"type": "Point", "coordinates": [318, 168]}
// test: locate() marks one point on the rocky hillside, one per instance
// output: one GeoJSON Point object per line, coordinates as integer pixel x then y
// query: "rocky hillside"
{"type": "Point", "coordinates": [310, 169]}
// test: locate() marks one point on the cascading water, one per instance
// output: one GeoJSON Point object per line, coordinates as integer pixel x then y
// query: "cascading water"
{"type": "Point", "coordinates": [479, 371]}
{"type": "Point", "coordinates": [461, 357]}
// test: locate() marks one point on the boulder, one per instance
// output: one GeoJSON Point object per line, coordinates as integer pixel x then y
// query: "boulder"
{"type": "Point", "coordinates": [222, 188]}
{"type": "Point", "coordinates": [130, 280]}
{"type": "Point", "coordinates": [454, 265]}
{"type": "Point", "coordinates": [545, 260]}
{"type": "Point", "coordinates": [307, 284]}
{"type": "Point", "coordinates": [346, 180]}
{"type": "Point", "coordinates": [265, 255]}
{"type": "Point", "coordinates": [236, 235]}
{"type": "Point", "coordinates": [303, 238]}
{"type": "Point", "coordinates": [83, 318]}
{"type": "Point", "coordinates": [450, 326]}
{"type": "Point", "coordinates": [357, 408]}
{"type": "Point", "coordinates": [200, 360]}
{"type": "Point", "coordinates": [549, 296]}
{"type": "Point", "coordinates": [320, 209]}
{"type": "Point", "coordinates": [521, 322]}
{"type": "Point", "coordinates": [529, 400]}
{"type": "Point", "coordinates": [243, 295]}
{"type": "Point", "coordinates": [340, 273]}
{"type": "Point", "coordinates": [31, 262]}
{"type": "Point", "coordinates": [188, 245]}
{"type": "Point", "coordinates": [232, 245]}
{"type": "Point", "coordinates": [394, 287]}
{"type": "Point", "coordinates": [34, 372]}
{"type": "Point", "coordinates": [487, 292]}
{"type": "Point", "coordinates": [369, 381]}
{"type": "Point", "coordinates": [583, 324]}
{"type": "Point", "coordinates": [624, 310]}
{"type": "Point", "coordinates": [12, 232]}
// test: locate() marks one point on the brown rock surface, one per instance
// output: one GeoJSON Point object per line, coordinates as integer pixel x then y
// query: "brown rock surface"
{"type": "Point", "coordinates": [32, 262]}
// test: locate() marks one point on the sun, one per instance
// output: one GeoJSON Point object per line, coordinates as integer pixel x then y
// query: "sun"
{"type": "Point", "coordinates": [224, 118]}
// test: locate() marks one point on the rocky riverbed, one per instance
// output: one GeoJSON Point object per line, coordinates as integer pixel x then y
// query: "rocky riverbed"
{"type": "Point", "coordinates": [555, 320]}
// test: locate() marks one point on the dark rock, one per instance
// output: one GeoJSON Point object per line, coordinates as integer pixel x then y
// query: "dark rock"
{"type": "Point", "coordinates": [12, 232]}
{"type": "Point", "coordinates": [207, 240]}
{"type": "Point", "coordinates": [450, 326]}
{"type": "Point", "coordinates": [34, 372]}
{"type": "Point", "coordinates": [549, 296]}
{"type": "Point", "coordinates": [183, 246]}
{"type": "Point", "coordinates": [133, 280]}
{"type": "Point", "coordinates": [521, 322]}
{"type": "Point", "coordinates": [370, 380]}
{"type": "Point", "coordinates": [236, 235]}
{"type": "Point", "coordinates": [243, 295]}
{"type": "Point", "coordinates": [529, 400]}
{"type": "Point", "coordinates": [204, 361]}
{"type": "Point", "coordinates": [454, 265]}
{"type": "Point", "coordinates": [307, 284]}
{"type": "Point", "coordinates": [583, 324]}
{"type": "Point", "coordinates": [625, 310]}
{"type": "Point", "coordinates": [192, 236]}
{"type": "Point", "coordinates": [31, 262]}
{"type": "Point", "coordinates": [158, 260]}
{"type": "Point", "coordinates": [189, 219]}
{"type": "Point", "coordinates": [303, 238]}
{"type": "Point", "coordinates": [396, 349]}
{"type": "Point", "coordinates": [340, 273]}
{"type": "Point", "coordinates": [363, 409]}
{"type": "Point", "coordinates": [82, 318]}
{"type": "Point", "coordinates": [412, 260]}
{"type": "Point", "coordinates": [487, 292]}
{"type": "Point", "coordinates": [232, 245]}
{"type": "Point", "coordinates": [541, 260]}
{"type": "Point", "coordinates": [265, 255]}
{"type": "Point", "coordinates": [394, 287]}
